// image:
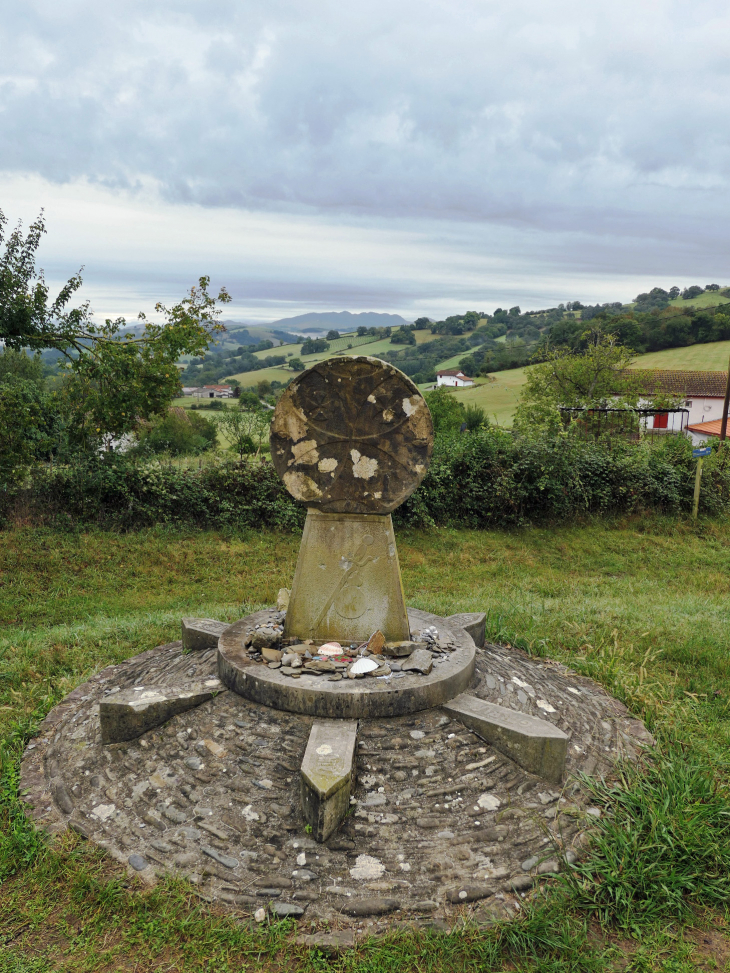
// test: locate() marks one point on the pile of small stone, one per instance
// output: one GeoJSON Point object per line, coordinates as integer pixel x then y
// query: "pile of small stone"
{"type": "Point", "coordinates": [374, 658]}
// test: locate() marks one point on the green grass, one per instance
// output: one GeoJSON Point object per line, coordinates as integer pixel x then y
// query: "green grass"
{"type": "Point", "coordinates": [711, 357]}
{"type": "Point", "coordinates": [642, 605]}
{"type": "Point", "coordinates": [498, 395]}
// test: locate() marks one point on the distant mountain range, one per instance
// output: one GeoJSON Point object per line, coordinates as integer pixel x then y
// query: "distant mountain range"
{"type": "Point", "coordinates": [316, 321]}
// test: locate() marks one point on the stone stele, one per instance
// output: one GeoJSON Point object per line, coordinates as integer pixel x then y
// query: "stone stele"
{"type": "Point", "coordinates": [327, 775]}
{"type": "Point", "coordinates": [352, 438]}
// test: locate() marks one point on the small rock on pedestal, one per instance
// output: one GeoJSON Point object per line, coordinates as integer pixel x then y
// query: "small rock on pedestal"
{"type": "Point", "coordinates": [327, 774]}
{"type": "Point", "coordinates": [419, 661]}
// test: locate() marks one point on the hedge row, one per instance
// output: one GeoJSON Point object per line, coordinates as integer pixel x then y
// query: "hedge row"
{"type": "Point", "coordinates": [481, 479]}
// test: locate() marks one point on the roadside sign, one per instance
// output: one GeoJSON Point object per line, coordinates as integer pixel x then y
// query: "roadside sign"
{"type": "Point", "coordinates": [701, 451]}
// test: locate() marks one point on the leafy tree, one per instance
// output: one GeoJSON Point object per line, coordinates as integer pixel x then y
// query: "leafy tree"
{"type": "Point", "coordinates": [263, 387]}
{"type": "Point", "coordinates": [420, 324]}
{"type": "Point", "coordinates": [691, 292]}
{"type": "Point", "coordinates": [404, 336]}
{"type": "Point", "coordinates": [712, 287]}
{"type": "Point", "coordinates": [333, 335]}
{"type": "Point", "coordinates": [447, 412]}
{"type": "Point", "coordinates": [673, 293]}
{"type": "Point", "coordinates": [314, 346]}
{"type": "Point", "coordinates": [115, 377]}
{"type": "Point", "coordinates": [595, 377]}
{"type": "Point", "coordinates": [296, 364]}
{"type": "Point", "coordinates": [245, 428]}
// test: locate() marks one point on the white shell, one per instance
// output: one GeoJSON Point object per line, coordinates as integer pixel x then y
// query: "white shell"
{"type": "Point", "coordinates": [331, 648]}
{"type": "Point", "coordinates": [363, 665]}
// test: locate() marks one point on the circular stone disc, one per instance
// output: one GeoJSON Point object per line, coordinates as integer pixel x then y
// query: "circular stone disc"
{"type": "Point", "coordinates": [352, 435]}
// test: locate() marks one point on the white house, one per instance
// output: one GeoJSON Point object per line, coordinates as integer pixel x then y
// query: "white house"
{"type": "Point", "coordinates": [703, 395]}
{"type": "Point", "coordinates": [454, 378]}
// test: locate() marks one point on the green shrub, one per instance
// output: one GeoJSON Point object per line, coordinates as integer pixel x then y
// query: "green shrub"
{"type": "Point", "coordinates": [490, 477]}
{"type": "Point", "coordinates": [178, 434]}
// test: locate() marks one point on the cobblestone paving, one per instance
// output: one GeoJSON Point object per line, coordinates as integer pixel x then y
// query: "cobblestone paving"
{"type": "Point", "coordinates": [441, 823]}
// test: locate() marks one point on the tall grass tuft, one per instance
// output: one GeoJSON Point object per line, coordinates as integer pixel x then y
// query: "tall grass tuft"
{"type": "Point", "coordinates": [662, 845]}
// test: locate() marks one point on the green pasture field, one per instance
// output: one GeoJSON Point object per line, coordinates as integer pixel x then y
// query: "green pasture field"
{"type": "Point", "coordinates": [642, 605]}
{"type": "Point", "coordinates": [498, 395]}
{"type": "Point", "coordinates": [711, 357]}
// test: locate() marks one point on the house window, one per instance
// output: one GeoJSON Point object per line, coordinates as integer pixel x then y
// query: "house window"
{"type": "Point", "coordinates": [661, 420]}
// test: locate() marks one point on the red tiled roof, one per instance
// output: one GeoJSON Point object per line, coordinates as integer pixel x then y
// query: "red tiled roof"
{"type": "Point", "coordinates": [708, 428]}
{"type": "Point", "coordinates": [455, 372]}
{"type": "Point", "coordinates": [710, 385]}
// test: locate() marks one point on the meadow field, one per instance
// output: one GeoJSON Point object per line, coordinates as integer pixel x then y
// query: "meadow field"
{"type": "Point", "coordinates": [640, 604]}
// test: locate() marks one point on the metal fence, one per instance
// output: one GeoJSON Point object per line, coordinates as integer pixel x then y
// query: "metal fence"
{"type": "Point", "coordinates": [628, 424]}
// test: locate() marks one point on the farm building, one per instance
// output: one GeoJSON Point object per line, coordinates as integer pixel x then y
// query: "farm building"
{"type": "Point", "coordinates": [209, 392]}
{"type": "Point", "coordinates": [454, 378]}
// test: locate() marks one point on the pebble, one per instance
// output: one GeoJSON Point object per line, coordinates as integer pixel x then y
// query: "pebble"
{"type": "Point", "coordinates": [259, 915]}
{"type": "Point", "coordinates": [469, 893]}
{"type": "Point", "coordinates": [223, 860]}
{"type": "Point", "coordinates": [287, 910]}
{"type": "Point", "coordinates": [138, 863]}
{"type": "Point", "coordinates": [370, 907]}
{"type": "Point", "coordinates": [175, 815]}
{"type": "Point", "coordinates": [303, 874]}
{"type": "Point", "coordinates": [520, 883]}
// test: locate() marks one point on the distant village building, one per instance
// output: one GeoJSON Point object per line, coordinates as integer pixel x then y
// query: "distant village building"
{"type": "Point", "coordinates": [453, 378]}
{"type": "Point", "coordinates": [209, 391]}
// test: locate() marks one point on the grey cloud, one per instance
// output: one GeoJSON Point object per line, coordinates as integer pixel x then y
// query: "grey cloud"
{"type": "Point", "coordinates": [604, 117]}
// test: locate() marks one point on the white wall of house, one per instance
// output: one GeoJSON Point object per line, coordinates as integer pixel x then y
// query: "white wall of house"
{"type": "Point", "coordinates": [453, 381]}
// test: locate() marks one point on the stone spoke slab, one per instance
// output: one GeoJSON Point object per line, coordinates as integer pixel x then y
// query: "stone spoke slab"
{"type": "Point", "coordinates": [201, 633]}
{"type": "Point", "coordinates": [328, 770]}
{"type": "Point", "coordinates": [127, 715]}
{"type": "Point", "coordinates": [536, 745]}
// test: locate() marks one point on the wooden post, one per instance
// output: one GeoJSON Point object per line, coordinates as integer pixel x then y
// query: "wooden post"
{"type": "Point", "coordinates": [698, 478]}
{"type": "Point", "coordinates": [725, 405]}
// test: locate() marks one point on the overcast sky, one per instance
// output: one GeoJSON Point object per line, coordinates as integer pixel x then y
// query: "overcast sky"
{"type": "Point", "coordinates": [412, 156]}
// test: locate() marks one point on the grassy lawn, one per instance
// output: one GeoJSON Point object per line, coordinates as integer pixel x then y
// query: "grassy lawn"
{"type": "Point", "coordinates": [641, 605]}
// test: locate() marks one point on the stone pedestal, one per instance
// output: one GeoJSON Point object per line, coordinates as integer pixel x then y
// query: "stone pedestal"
{"type": "Point", "coordinates": [347, 581]}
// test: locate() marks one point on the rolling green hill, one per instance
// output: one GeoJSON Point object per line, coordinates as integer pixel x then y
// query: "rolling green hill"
{"type": "Point", "coordinates": [711, 357]}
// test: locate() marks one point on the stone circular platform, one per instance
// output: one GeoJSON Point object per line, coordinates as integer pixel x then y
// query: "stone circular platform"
{"type": "Point", "coordinates": [442, 826]}
{"type": "Point", "coordinates": [384, 696]}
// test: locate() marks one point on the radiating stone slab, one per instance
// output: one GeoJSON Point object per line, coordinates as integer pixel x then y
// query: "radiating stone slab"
{"type": "Point", "coordinates": [129, 714]}
{"type": "Point", "coordinates": [328, 770]}
{"type": "Point", "coordinates": [475, 623]}
{"type": "Point", "coordinates": [201, 633]}
{"type": "Point", "coordinates": [537, 745]}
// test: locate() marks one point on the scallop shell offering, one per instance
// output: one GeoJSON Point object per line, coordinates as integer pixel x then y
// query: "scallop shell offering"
{"type": "Point", "coordinates": [331, 648]}
{"type": "Point", "coordinates": [362, 666]}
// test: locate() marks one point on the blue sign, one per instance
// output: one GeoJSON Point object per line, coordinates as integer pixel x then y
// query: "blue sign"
{"type": "Point", "coordinates": [702, 451]}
